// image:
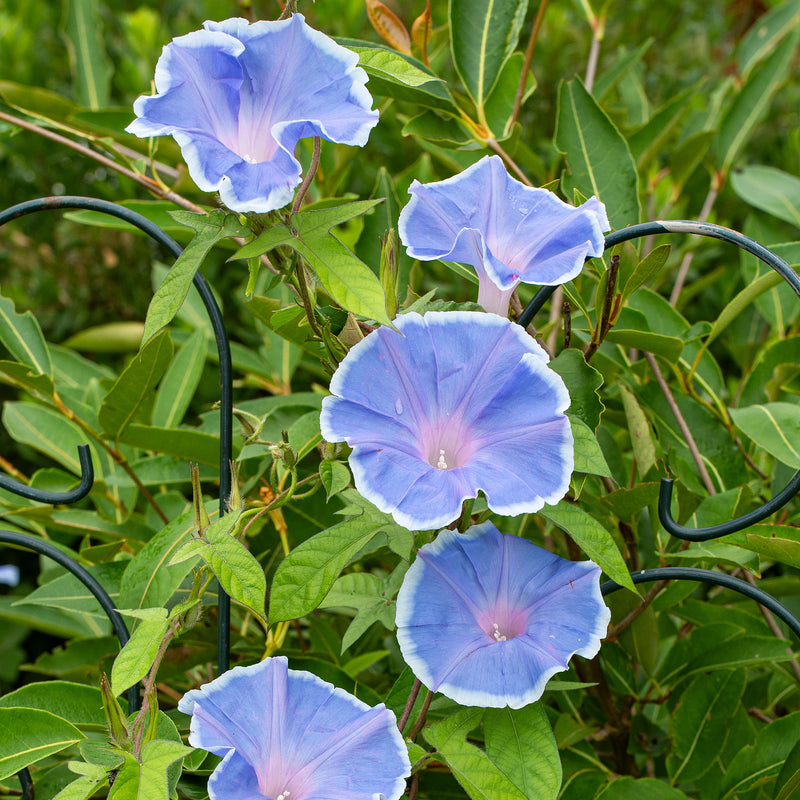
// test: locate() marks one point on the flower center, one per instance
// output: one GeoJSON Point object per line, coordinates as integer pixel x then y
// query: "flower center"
{"type": "Point", "coordinates": [498, 637]}
{"type": "Point", "coordinates": [283, 795]}
{"type": "Point", "coordinates": [441, 463]}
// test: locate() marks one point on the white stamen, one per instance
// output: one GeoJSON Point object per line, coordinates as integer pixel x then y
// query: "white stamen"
{"type": "Point", "coordinates": [441, 463]}
{"type": "Point", "coordinates": [499, 637]}
{"type": "Point", "coordinates": [283, 795]}
{"type": "Point", "coordinates": [250, 160]}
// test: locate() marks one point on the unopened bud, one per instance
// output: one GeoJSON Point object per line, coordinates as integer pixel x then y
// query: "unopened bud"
{"type": "Point", "coordinates": [389, 271]}
{"type": "Point", "coordinates": [117, 724]}
{"type": "Point", "coordinates": [201, 519]}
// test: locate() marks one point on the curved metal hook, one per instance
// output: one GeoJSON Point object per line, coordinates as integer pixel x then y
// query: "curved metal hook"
{"type": "Point", "coordinates": [771, 260]}
{"type": "Point", "coordinates": [716, 579]}
{"type": "Point", "coordinates": [84, 576]}
{"type": "Point", "coordinates": [223, 351]}
{"type": "Point", "coordinates": [56, 498]}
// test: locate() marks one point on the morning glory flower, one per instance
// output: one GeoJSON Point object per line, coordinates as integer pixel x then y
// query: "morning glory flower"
{"type": "Point", "coordinates": [9, 574]}
{"type": "Point", "coordinates": [288, 735]}
{"type": "Point", "coordinates": [486, 618]}
{"type": "Point", "coordinates": [509, 232]}
{"type": "Point", "coordinates": [448, 404]}
{"type": "Point", "coordinates": [237, 97]}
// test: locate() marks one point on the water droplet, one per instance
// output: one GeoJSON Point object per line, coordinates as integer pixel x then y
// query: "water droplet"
{"type": "Point", "coordinates": [398, 406]}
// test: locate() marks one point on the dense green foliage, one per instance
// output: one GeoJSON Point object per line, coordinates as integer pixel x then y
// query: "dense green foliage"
{"type": "Point", "coordinates": [664, 111]}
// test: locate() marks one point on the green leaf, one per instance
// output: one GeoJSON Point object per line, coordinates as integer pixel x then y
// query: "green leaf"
{"type": "Point", "coordinates": [26, 378]}
{"type": "Point", "coordinates": [592, 538]}
{"type": "Point", "coordinates": [668, 347]}
{"type": "Point", "coordinates": [743, 651]}
{"type": "Point", "coordinates": [644, 449]}
{"type": "Point", "coordinates": [29, 735]}
{"type": "Point", "coordinates": [180, 382]}
{"type": "Point", "coordinates": [209, 229]}
{"type": "Point", "coordinates": [626, 788]}
{"type": "Point", "coordinates": [755, 764]}
{"type": "Point", "coordinates": [235, 567]}
{"type": "Point", "coordinates": [773, 426]}
{"type": "Point", "coordinates": [148, 780]}
{"type": "Point", "coordinates": [335, 477]}
{"type": "Point", "coordinates": [776, 542]}
{"type": "Point", "coordinates": [599, 160]}
{"type": "Point", "coordinates": [306, 575]}
{"type": "Point", "coordinates": [149, 579]}
{"type": "Point", "coordinates": [769, 189]}
{"type": "Point", "coordinates": [752, 102]}
{"type": "Point", "coordinates": [348, 280]}
{"type": "Point", "coordinates": [701, 721]}
{"type": "Point", "coordinates": [23, 338]}
{"type": "Point", "coordinates": [582, 381]}
{"type": "Point", "coordinates": [85, 786]}
{"type": "Point", "coordinates": [137, 656]}
{"type": "Point", "coordinates": [521, 744]}
{"type": "Point", "coordinates": [135, 385]}
{"type": "Point", "coordinates": [472, 768]}
{"type": "Point", "coordinates": [392, 74]}
{"type": "Point", "coordinates": [499, 106]}
{"type": "Point", "coordinates": [647, 267]}
{"type": "Point", "coordinates": [788, 781]}
{"type": "Point", "coordinates": [77, 703]}
{"type": "Point", "coordinates": [483, 36]}
{"type": "Point", "coordinates": [48, 432]}
{"type": "Point", "coordinates": [370, 596]}
{"type": "Point", "coordinates": [767, 31]}
{"type": "Point", "coordinates": [91, 68]}
{"type": "Point", "coordinates": [184, 442]}
{"type": "Point", "coordinates": [589, 457]}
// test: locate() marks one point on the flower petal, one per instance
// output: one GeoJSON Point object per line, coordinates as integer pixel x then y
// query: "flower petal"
{"type": "Point", "coordinates": [237, 97]}
{"type": "Point", "coordinates": [447, 405]}
{"type": "Point", "coordinates": [297, 734]}
{"type": "Point", "coordinates": [486, 618]}
{"type": "Point", "coordinates": [507, 231]}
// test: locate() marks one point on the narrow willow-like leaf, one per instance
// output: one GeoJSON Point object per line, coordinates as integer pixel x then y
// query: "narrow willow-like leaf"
{"type": "Point", "coordinates": [135, 384]}
{"type": "Point", "coordinates": [483, 36]}
{"type": "Point", "coordinates": [592, 538]}
{"type": "Point", "coordinates": [180, 382]}
{"type": "Point", "coordinates": [752, 102]}
{"type": "Point", "coordinates": [641, 438]}
{"type": "Point", "coordinates": [775, 427]}
{"type": "Point", "coordinates": [599, 161]}
{"type": "Point", "coordinates": [769, 29]}
{"type": "Point", "coordinates": [91, 68]}
{"type": "Point", "coordinates": [209, 229]}
{"type": "Point", "coordinates": [23, 338]}
{"type": "Point", "coordinates": [770, 189]}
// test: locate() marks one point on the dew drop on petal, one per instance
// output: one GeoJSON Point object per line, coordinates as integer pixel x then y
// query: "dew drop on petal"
{"type": "Point", "coordinates": [398, 406]}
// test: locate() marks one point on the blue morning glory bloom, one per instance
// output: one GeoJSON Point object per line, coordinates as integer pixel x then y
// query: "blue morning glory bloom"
{"type": "Point", "coordinates": [509, 232]}
{"type": "Point", "coordinates": [446, 405]}
{"type": "Point", "coordinates": [288, 735]}
{"type": "Point", "coordinates": [486, 618]}
{"type": "Point", "coordinates": [9, 574]}
{"type": "Point", "coordinates": [237, 97]}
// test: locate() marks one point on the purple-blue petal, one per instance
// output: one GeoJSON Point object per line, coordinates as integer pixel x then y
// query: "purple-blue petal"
{"type": "Point", "coordinates": [283, 730]}
{"type": "Point", "coordinates": [463, 585]}
{"type": "Point", "coordinates": [238, 96]}
{"type": "Point", "coordinates": [449, 404]}
{"type": "Point", "coordinates": [507, 231]}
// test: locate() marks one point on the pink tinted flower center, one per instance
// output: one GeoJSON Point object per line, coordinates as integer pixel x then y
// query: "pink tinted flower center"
{"type": "Point", "coordinates": [447, 445]}
{"type": "Point", "coordinates": [502, 623]}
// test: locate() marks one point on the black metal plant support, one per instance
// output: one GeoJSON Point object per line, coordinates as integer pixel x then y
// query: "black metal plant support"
{"type": "Point", "coordinates": [84, 453]}
{"type": "Point", "coordinates": [772, 505]}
